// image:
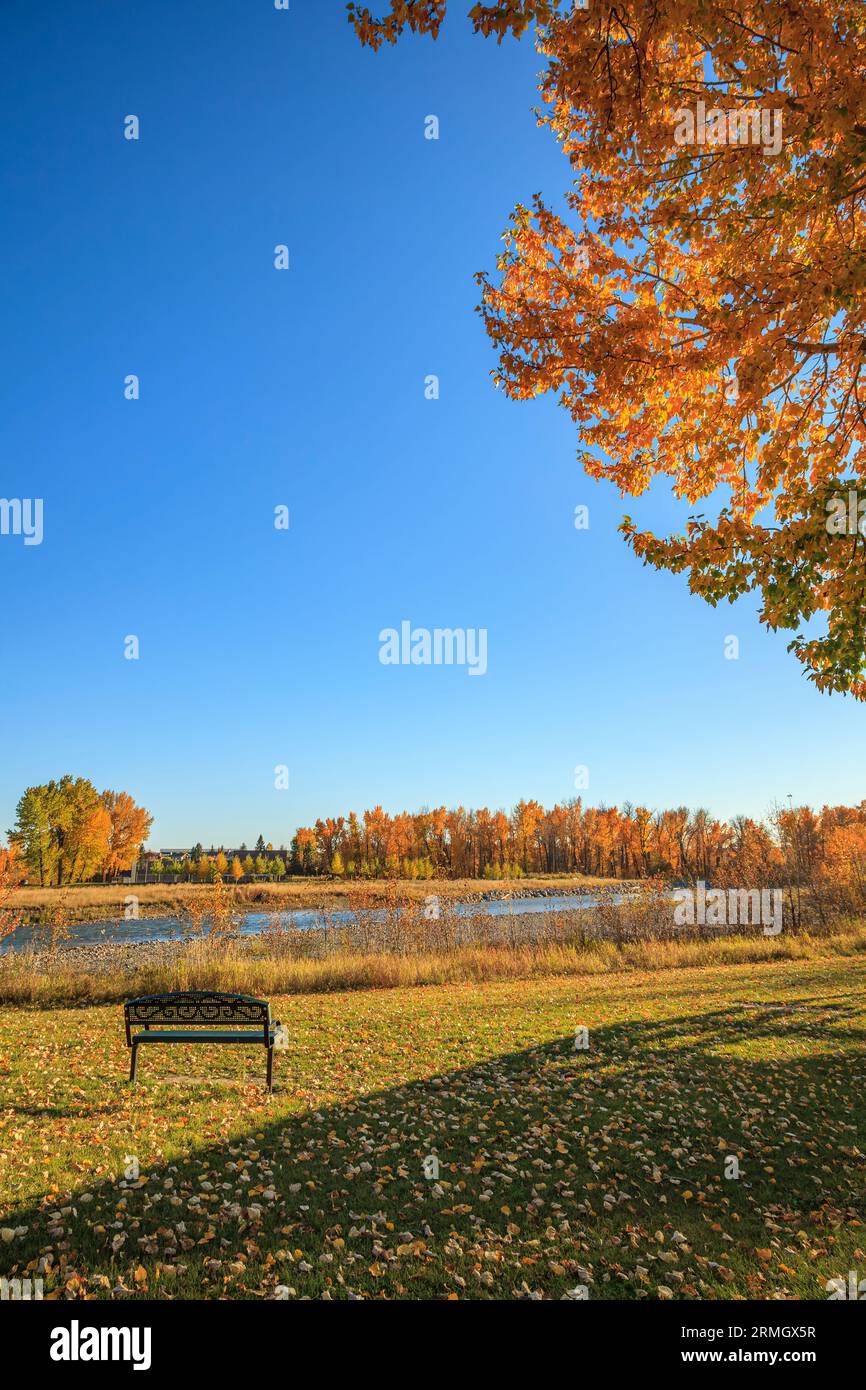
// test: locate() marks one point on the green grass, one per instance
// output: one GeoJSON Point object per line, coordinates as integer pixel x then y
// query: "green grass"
{"type": "Point", "coordinates": [557, 1167]}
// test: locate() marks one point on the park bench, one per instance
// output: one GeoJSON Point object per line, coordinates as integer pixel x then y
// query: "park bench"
{"type": "Point", "coordinates": [199, 1017]}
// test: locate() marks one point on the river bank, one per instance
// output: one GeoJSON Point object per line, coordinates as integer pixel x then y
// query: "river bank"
{"type": "Point", "coordinates": [362, 919]}
{"type": "Point", "coordinates": [325, 962]}
{"type": "Point", "coordinates": [96, 902]}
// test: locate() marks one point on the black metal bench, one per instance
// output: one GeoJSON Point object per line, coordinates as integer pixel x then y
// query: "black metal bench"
{"type": "Point", "coordinates": [199, 1017]}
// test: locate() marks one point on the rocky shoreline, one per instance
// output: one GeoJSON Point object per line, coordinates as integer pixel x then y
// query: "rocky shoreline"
{"type": "Point", "coordinates": [107, 957]}
{"type": "Point", "coordinates": [600, 891]}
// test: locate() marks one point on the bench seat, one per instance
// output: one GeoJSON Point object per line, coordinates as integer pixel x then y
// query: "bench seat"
{"type": "Point", "coordinates": [199, 1035]}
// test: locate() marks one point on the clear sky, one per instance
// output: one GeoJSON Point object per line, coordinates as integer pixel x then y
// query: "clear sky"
{"type": "Point", "coordinates": [305, 388]}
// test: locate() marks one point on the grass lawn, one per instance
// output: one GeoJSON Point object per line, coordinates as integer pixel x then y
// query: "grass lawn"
{"type": "Point", "coordinates": [558, 1167]}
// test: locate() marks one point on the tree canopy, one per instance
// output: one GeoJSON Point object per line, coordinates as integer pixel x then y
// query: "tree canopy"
{"type": "Point", "coordinates": [699, 307]}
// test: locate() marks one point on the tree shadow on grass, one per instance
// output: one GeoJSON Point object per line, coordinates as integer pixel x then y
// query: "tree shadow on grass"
{"type": "Point", "coordinates": [556, 1167]}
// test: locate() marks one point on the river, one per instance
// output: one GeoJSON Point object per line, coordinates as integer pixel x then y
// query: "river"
{"type": "Point", "coordinates": [135, 930]}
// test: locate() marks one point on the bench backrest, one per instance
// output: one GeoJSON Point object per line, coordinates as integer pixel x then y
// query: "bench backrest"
{"type": "Point", "coordinates": [200, 1007]}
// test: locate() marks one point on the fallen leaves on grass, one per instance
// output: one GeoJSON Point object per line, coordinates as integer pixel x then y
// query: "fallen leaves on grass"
{"type": "Point", "coordinates": [555, 1171]}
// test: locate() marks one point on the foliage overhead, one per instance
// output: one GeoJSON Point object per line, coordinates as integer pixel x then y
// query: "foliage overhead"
{"type": "Point", "coordinates": [699, 309]}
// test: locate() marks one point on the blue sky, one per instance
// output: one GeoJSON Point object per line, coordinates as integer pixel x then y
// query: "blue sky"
{"type": "Point", "coordinates": [305, 388]}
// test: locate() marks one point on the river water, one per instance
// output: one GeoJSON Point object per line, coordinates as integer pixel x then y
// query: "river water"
{"type": "Point", "coordinates": [308, 919]}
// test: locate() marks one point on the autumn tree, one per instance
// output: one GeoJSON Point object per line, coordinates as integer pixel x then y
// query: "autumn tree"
{"type": "Point", "coordinates": [204, 868]}
{"type": "Point", "coordinates": [700, 307]}
{"type": "Point", "coordinates": [34, 833]}
{"type": "Point", "coordinates": [328, 832]}
{"type": "Point", "coordinates": [12, 874]}
{"type": "Point", "coordinates": [843, 868]}
{"type": "Point", "coordinates": [129, 827]}
{"type": "Point", "coordinates": [61, 830]}
{"type": "Point", "coordinates": [86, 832]}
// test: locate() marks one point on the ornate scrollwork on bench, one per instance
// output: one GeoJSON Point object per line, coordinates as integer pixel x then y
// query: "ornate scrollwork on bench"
{"type": "Point", "coordinates": [200, 1007]}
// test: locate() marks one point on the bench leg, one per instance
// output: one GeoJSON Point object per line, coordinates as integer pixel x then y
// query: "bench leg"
{"type": "Point", "coordinates": [134, 1063]}
{"type": "Point", "coordinates": [270, 1069]}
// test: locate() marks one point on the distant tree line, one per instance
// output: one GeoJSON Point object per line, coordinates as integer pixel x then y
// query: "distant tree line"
{"type": "Point", "coordinates": [607, 842]}
{"type": "Point", "coordinates": [201, 866]}
{"type": "Point", "coordinates": [67, 832]}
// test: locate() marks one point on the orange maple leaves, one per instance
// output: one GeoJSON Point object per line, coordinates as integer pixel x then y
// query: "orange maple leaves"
{"type": "Point", "coordinates": [700, 309]}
